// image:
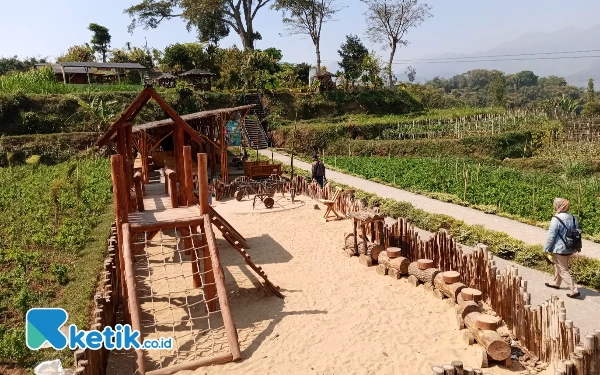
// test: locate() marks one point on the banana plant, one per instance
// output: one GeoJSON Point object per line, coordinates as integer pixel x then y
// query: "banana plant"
{"type": "Point", "coordinates": [101, 111]}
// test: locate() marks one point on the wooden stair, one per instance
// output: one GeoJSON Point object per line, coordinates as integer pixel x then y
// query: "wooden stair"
{"type": "Point", "coordinates": [239, 243]}
{"type": "Point", "coordinates": [255, 135]}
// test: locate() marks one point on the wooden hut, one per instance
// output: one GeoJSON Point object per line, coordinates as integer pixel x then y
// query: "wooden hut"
{"type": "Point", "coordinates": [204, 131]}
{"type": "Point", "coordinates": [198, 78]}
{"type": "Point", "coordinates": [161, 79]}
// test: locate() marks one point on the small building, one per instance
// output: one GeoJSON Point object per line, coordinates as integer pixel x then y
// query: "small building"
{"type": "Point", "coordinates": [198, 78]}
{"type": "Point", "coordinates": [92, 72]}
{"type": "Point", "coordinates": [161, 79]}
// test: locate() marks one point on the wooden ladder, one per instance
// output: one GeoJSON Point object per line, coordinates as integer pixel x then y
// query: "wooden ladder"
{"type": "Point", "coordinates": [223, 226]}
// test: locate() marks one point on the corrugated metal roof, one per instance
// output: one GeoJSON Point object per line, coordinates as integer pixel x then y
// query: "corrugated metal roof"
{"type": "Point", "coordinates": [68, 70]}
{"type": "Point", "coordinates": [132, 66]}
{"type": "Point", "coordinates": [191, 116]}
{"type": "Point", "coordinates": [196, 72]}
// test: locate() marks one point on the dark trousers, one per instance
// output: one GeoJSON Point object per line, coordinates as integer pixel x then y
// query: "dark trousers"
{"type": "Point", "coordinates": [319, 180]}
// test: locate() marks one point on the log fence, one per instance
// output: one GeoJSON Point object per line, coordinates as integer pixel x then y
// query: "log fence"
{"type": "Point", "coordinates": [104, 312]}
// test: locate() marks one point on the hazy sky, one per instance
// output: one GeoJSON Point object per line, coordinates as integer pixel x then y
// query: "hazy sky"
{"type": "Point", "coordinates": [48, 28]}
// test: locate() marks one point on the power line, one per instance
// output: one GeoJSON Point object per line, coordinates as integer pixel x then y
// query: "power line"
{"type": "Point", "coordinates": [442, 61]}
{"type": "Point", "coordinates": [494, 56]}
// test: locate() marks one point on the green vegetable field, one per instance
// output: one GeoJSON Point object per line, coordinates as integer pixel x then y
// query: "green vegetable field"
{"type": "Point", "coordinates": [48, 213]}
{"type": "Point", "coordinates": [491, 188]}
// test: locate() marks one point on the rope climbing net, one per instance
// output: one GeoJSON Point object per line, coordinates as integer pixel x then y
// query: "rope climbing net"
{"type": "Point", "coordinates": [177, 296]}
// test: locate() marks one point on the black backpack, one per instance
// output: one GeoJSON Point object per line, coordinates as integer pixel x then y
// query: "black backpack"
{"type": "Point", "coordinates": [573, 238]}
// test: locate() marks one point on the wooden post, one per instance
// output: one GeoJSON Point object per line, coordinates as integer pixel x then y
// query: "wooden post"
{"type": "Point", "coordinates": [178, 154]}
{"type": "Point", "coordinates": [219, 282]}
{"type": "Point", "coordinates": [224, 164]}
{"type": "Point", "coordinates": [189, 183]}
{"type": "Point", "coordinates": [144, 157]}
{"type": "Point", "coordinates": [121, 214]}
{"type": "Point", "coordinates": [209, 276]}
{"type": "Point", "coordinates": [132, 300]}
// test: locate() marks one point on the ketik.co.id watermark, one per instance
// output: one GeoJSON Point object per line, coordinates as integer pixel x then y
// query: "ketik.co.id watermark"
{"type": "Point", "coordinates": [44, 329]}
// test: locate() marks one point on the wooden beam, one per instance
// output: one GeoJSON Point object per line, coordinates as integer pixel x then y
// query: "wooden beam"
{"type": "Point", "coordinates": [192, 365]}
{"type": "Point", "coordinates": [132, 299]}
{"type": "Point", "coordinates": [139, 102]}
{"type": "Point", "coordinates": [121, 216]}
{"type": "Point", "coordinates": [179, 121]}
{"type": "Point", "coordinates": [155, 145]}
{"type": "Point", "coordinates": [188, 178]}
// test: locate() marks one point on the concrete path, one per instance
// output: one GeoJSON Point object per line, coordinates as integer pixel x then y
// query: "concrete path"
{"type": "Point", "coordinates": [585, 311]}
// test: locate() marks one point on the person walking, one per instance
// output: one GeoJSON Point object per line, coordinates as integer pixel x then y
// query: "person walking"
{"type": "Point", "coordinates": [564, 239]}
{"type": "Point", "coordinates": [318, 170]}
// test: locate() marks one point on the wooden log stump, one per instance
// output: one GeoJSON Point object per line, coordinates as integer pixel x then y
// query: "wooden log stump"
{"type": "Point", "coordinates": [468, 370]}
{"type": "Point", "coordinates": [394, 273]}
{"type": "Point", "coordinates": [467, 337]}
{"type": "Point", "coordinates": [428, 287]}
{"type": "Point", "coordinates": [375, 251]}
{"type": "Point", "coordinates": [381, 269]}
{"type": "Point", "coordinates": [427, 275]}
{"type": "Point", "coordinates": [438, 294]}
{"type": "Point", "coordinates": [425, 264]}
{"type": "Point", "coordinates": [348, 252]}
{"type": "Point", "coordinates": [393, 252]}
{"type": "Point", "coordinates": [448, 370]}
{"type": "Point", "coordinates": [493, 343]}
{"type": "Point", "coordinates": [487, 322]}
{"type": "Point", "coordinates": [458, 367]}
{"type": "Point", "coordinates": [463, 308]}
{"type": "Point", "coordinates": [384, 259]}
{"type": "Point", "coordinates": [412, 280]}
{"type": "Point", "coordinates": [451, 277]}
{"type": "Point", "coordinates": [477, 372]}
{"type": "Point", "coordinates": [365, 260]}
{"type": "Point", "coordinates": [470, 294]}
{"type": "Point", "coordinates": [481, 357]}
{"type": "Point", "coordinates": [400, 264]}
{"type": "Point", "coordinates": [449, 290]}
{"type": "Point", "coordinates": [437, 370]}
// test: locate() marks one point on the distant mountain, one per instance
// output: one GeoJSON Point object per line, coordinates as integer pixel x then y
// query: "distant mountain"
{"type": "Point", "coordinates": [576, 71]}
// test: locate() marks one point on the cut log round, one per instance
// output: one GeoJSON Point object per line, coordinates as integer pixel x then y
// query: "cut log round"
{"type": "Point", "coordinates": [381, 269]}
{"type": "Point", "coordinates": [451, 277]}
{"type": "Point", "coordinates": [449, 290]}
{"type": "Point", "coordinates": [365, 260]}
{"type": "Point", "coordinates": [412, 280]}
{"type": "Point", "coordinates": [375, 251]}
{"type": "Point", "coordinates": [487, 322]}
{"type": "Point", "coordinates": [477, 371]}
{"type": "Point", "coordinates": [437, 294]}
{"type": "Point", "coordinates": [481, 357]}
{"type": "Point", "coordinates": [467, 370]}
{"type": "Point", "coordinates": [425, 264]}
{"type": "Point", "coordinates": [458, 367]}
{"type": "Point", "coordinates": [400, 264]}
{"type": "Point", "coordinates": [465, 307]}
{"type": "Point", "coordinates": [448, 370]}
{"type": "Point", "coordinates": [470, 294]}
{"type": "Point", "coordinates": [493, 343]}
{"type": "Point", "coordinates": [437, 370]}
{"type": "Point", "coordinates": [424, 276]}
{"type": "Point", "coordinates": [393, 252]}
{"type": "Point", "coordinates": [383, 259]}
{"type": "Point", "coordinates": [467, 337]}
{"type": "Point", "coordinates": [428, 287]}
{"type": "Point", "coordinates": [349, 252]}
{"type": "Point", "coordinates": [394, 273]}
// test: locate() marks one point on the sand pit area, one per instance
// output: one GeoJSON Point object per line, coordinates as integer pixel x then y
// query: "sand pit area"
{"type": "Point", "coordinates": [338, 316]}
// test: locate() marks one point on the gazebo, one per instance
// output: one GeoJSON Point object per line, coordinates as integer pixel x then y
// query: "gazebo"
{"type": "Point", "coordinates": [198, 78]}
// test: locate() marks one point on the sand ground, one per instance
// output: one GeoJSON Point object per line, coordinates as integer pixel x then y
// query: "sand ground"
{"type": "Point", "coordinates": [338, 316]}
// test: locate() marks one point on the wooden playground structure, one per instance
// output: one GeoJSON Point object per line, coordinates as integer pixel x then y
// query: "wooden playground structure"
{"type": "Point", "coordinates": [170, 275]}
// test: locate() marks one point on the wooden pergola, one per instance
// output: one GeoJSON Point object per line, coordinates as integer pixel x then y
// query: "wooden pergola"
{"type": "Point", "coordinates": [208, 129]}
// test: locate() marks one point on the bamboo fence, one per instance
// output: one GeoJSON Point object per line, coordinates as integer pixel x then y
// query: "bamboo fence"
{"type": "Point", "coordinates": [94, 362]}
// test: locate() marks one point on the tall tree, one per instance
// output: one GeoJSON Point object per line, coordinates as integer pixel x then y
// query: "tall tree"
{"type": "Point", "coordinates": [591, 93]}
{"type": "Point", "coordinates": [180, 57]}
{"type": "Point", "coordinates": [306, 17]}
{"type": "Point", "coordinates": [211, 27]}
{"type": "Point", "coordinates": [100, 39]}
{"type": "Point", "coordinates": [497, 87]}
{"type": "Point", "coordinates": [389, 21]}
{"type": "Point", "coordinates": [525, 78]}
{"type": "Point", "coordinates": [353, 53]}
{"type": "Point", "coordinates": [237, 14]}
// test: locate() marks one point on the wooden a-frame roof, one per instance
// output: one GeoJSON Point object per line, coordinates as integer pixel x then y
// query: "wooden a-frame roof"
{"type": "Point", "coordinates": [190, 116]}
